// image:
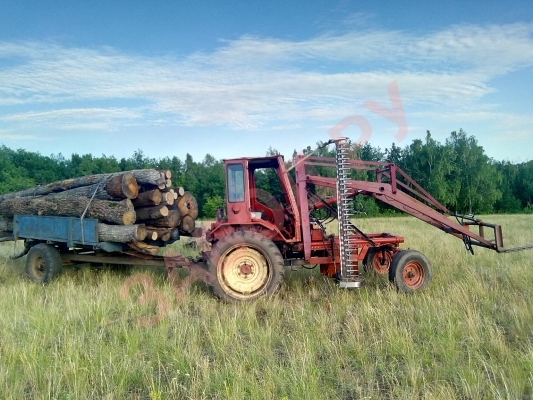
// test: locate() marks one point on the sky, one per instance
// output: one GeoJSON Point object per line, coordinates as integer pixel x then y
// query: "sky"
{"type": "Point", "coordinates": [233, 78]}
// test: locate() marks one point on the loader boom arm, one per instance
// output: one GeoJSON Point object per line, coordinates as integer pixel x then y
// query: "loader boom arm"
{"type": "Point", "coordinates": [395, 188]}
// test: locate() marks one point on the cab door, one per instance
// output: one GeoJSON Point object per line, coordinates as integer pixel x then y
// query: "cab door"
{"type": "Point", "coordinates": [237, 196]}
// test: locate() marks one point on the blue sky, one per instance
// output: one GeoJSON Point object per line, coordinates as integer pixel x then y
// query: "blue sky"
{"type": "Point", "coordinates": [233, 78]}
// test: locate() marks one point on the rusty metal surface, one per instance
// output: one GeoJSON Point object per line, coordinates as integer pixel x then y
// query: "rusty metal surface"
{"type": "Point", "coordinates": [412, 199]}
{"type": "Point", "coordinates": [289, 224]}
{"type": "Point", "coordinates": [413, 275]}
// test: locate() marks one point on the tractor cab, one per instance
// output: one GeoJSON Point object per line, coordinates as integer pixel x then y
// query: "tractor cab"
{"type": "Point", "coordinates": [258, 192]}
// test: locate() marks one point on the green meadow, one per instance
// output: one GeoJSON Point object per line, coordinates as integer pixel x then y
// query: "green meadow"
{"type": "Point", "coordinates": [468, 336]}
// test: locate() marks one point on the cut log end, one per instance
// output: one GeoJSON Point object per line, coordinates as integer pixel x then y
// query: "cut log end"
{"type": "Point", "coordinates": [187, 224]}
{"type": "Point", "coordinates": [129, 217]}
{"type": "Point", "coordinates": [142, 232]}
{"type": "Point", "coordinates": [187, 205]}
{"type": "Point", "coordinates": [130, 187]}
{"type": "Point", "coordinates": [122, 186]}
{"type": "Point", "coordinates": [169, 197]}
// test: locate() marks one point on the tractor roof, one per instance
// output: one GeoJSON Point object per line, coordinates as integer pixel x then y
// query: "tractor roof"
{"type": "Point", "coordinates": [258, 162]}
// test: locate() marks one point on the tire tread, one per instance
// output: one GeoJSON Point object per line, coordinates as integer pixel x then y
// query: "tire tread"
{"type": "Point", "coordinates": [52, 259]}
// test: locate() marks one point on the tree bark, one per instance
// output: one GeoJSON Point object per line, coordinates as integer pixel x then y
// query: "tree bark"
{"type": "Point", "coordinates": [121, 233]}
{"type": "Point", "coordinates": [114, 212]}
{"type": "Point", "coordinates": [149, 198]}
{"type": "Point", "coordinates": [149, 177]}
{"type": "Point", "coordinates": [6, 234]}
{"type": "Point", "coordinates": [144, 248]}
{"type": "Point", "coordinates": [121, 185]}
{"type": "Point", "coordinates": [171, 221]}
{"type": "Point", "coordinates": [174, 234]}
{"type": "Point", "coordinates": [163, 234]}
{"type": "Point", "coordinates": [151, 213]}
{"type": "Point", "coordinates": [6, 224]}
{"type": "Point", "coordinates": [84, 191]}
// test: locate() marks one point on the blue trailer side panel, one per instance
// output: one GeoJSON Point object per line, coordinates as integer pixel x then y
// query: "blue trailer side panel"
{"type": "Point", "coordinates": [56, 229]}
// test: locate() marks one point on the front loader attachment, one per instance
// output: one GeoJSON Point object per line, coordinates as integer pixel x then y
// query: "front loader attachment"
{"type": "Point", "coordinates": [395, 188]}
{"type": "Point", "coordinates": [468, 221]}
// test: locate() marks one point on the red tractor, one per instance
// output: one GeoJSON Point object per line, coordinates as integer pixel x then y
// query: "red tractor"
{"type": "Point", "coordinates": [261, 235]}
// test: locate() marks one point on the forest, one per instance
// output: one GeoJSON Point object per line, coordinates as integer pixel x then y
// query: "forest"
{"type": "Point", "coordinates": [457, 172]}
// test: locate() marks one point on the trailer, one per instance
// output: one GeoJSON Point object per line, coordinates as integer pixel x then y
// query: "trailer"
{"type": "Point", "coordinates": [52, 242]}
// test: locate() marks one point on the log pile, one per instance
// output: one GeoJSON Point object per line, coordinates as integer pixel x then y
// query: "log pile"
{"type": "Point", "coordinates": [138, 207]}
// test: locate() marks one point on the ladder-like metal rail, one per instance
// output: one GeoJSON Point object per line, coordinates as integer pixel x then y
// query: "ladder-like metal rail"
{"type": "Point", "coordinates": [348, 251]}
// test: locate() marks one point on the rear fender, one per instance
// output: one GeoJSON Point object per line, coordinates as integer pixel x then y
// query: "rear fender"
{"type": "Point", "coordinates": [265, 228]}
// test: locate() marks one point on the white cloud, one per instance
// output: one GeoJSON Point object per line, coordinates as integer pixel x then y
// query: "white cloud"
{"type": "Point", "coordinates": [71, 113]}
{"type": "Point", "coordinates": [74, 119]}
{"type": "Point", "coordinates": [22, 137]}
{"type": "Point", "coordinates": [253, 81]}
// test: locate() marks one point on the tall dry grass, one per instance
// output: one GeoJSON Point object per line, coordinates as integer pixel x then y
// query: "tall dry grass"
{"type": "Point", "coordinates": [469, 336]}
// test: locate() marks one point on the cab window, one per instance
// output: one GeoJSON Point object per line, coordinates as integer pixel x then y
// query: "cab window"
{"type": "Point", "coordinates": [235, 183]}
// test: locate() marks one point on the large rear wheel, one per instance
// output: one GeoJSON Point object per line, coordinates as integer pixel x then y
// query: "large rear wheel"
{"type": "Point", "coordinates": [410, 271]}
{"type": "Point", "coordinates": [246, 265]}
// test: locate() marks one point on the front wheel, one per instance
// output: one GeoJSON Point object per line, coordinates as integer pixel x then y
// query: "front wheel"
{"type": "Point", "coordinates": [43, 263]}
{"type": "Point", "coordinates": [246, 265]}
{"type": "Point", "coordinates": [410, 271]}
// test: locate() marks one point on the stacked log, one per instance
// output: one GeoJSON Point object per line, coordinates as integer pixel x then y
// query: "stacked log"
{"type": "Point", "coordinates": [138, 207]}
{"type": "Point", "coordinates": [113, 212]}
{"type": "Point", "coordinates": [107, 186]}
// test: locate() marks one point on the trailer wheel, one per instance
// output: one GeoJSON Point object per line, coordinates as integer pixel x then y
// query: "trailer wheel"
{"type": "Point", "coordinates": [377, 261]}
{"type": "Point", "coordinates": [246, 266]}
{"type": "Point", "coordinates": [410, 271]}
{"type": "Point", "coordinates": [43, 263]}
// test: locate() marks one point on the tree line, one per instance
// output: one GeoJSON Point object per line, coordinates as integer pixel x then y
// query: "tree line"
{"type": "Point", "coordinates": [457, 173]}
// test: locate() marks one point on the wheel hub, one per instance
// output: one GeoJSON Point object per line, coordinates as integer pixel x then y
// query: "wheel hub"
{"type": "Point", "coordinates": [382, 262]}
{"type": "Point", "coordinates": [39, 267]}
{"type": "Point", "coordinates": [413, 275]}
{"type": "Point", "coordinates": [244, 270]}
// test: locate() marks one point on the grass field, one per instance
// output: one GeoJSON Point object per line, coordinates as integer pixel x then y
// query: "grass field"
{"type": "Point", "coordinates": [469, 336]}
